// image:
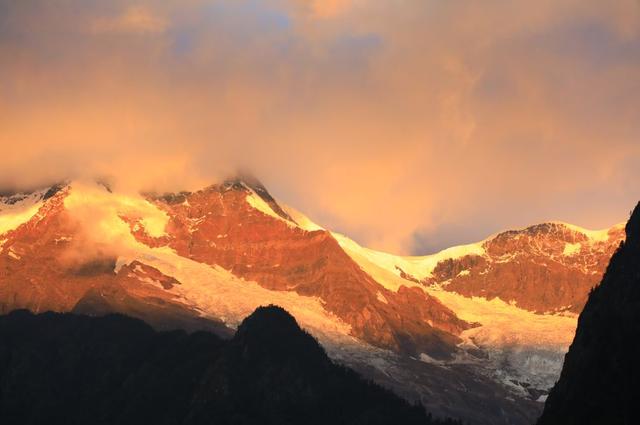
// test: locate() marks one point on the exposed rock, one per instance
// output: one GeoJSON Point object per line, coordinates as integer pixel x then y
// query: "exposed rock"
{"type": "Point", "coordinates": [218, 226]}
{"type": "Point", "coordinates": [55, 271]}
{"type": "Point", "coordinates": [546, 268]}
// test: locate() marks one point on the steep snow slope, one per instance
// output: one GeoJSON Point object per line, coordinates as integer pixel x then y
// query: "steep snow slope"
{"type": "Point", "coordinates": [18, 208]}
{"type": "Point", "coordinates": [419, 267]}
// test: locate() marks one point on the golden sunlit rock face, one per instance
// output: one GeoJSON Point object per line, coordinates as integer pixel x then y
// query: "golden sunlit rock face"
{"type": "Point", "coordinates": [419, 162]}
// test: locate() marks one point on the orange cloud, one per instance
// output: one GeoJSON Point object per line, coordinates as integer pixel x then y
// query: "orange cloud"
{"type": "Point", "coordinates": [410, 128]}
{"type": "Point", "coordinates": [329, 8]}
{"type": "Point", "coordinates": [134, 19]}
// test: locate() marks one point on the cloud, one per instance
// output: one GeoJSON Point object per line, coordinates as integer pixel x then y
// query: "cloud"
{"type": "Point", "coordinates": [134, 19]}
{"type": "Point", "coordinates": [408, 125]}
{"type": "Point", "coordinates": [330, 8]}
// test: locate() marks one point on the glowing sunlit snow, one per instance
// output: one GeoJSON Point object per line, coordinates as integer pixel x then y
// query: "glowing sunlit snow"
{"type": "Point", "coordinates": [571, 249]}
{"type": "Point", "coordinates": [419, 267]}
{"type": "Point", "coordinates": [13, 215]}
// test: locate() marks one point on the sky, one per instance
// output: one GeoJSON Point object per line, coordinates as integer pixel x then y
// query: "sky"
{"type": "Point", "coordinates": [409, 125]}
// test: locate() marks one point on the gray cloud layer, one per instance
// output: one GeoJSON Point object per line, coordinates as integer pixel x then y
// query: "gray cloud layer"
{"type": "Point", "coordinates": [410, 125]}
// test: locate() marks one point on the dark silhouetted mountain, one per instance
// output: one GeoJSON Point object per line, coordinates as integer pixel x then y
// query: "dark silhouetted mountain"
{"type": "Point", "coordinates": [601, 372]}
{"type": "Point", "coordinates": [71, 369]}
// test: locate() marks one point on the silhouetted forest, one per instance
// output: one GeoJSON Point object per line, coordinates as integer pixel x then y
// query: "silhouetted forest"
{"type": "Point", "coordinates": [600, 378]}
{"type": "Point", "coordinates": [71, 369]}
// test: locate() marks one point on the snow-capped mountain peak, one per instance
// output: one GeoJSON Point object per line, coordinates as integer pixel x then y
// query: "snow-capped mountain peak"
{"type": "Point", "coordinates": [499, 311]}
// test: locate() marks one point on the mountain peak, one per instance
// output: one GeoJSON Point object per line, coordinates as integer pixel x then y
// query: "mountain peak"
{"type": "Point", "coordinates": [271, 332]}
{"type": "Point", "coordinates": [632, 228]}
{"type": "Point", "coordinates": [246, 181]}
{"type": "Point", "coordinates": [560, 231]}
{"type": "Point", "coordinates": [269, 317]}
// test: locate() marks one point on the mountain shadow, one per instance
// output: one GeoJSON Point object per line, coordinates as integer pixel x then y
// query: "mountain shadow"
{"type": "Point", "coordinates": [600, 378]}
{"type": "Point", "coordinates": [71, 369]}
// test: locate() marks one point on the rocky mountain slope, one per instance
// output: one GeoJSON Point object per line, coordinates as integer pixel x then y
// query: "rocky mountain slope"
{"type": "Point", "coordinates": [546, 268]}
{"type": "Point", "coordinates": [599, 380]}
{"type": "Point", "coordinates": [496, 316]}
{"type": "Point", "coordinates": [63, 368]}
{"type": "Point", "coordinates": [521, 287]}
{"type": "Point", "coordinates": [235, 226]}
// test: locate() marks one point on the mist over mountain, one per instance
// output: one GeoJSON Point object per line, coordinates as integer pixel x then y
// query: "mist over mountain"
{"type": "Point", "coordinates": [397, 125]}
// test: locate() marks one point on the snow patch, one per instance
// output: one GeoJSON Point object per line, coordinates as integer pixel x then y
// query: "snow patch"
{"type": "Point", "coordinates": [380, 297]}
{"type": "Point", "coordinates": [12, 215]}
{"type": "Point", "coordinates": [601, 235]}
{"type": "Point", "coordinates": [92, 203]}
{"type": "Point", "coordinates": [420, 267]}
{"type": "Point", "coordinates": [520, 346]}
{"type": "Point", "coordinates": [504, 324]}
{"type": "Point", "coordinates": [571, 249]}
{"type": "Point", "coordinates": [259, 204]}
{"type": "Point", "coordinates": [215, 292]}
{"type": "Point", "coordinates": [383, 274]}
{"type": "Point", "coordinates": [150, 281]}
{"type": "Point", "coordinates": [428, 359]}
{"type": "Point", "coordinates": [303, 221]}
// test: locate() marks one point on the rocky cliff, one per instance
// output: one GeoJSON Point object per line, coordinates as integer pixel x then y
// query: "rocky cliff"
{"type": "Point", "coordinates": [599, 380]}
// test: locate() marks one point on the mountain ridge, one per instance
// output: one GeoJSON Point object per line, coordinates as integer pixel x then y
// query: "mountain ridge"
{"type": "Point", "coordinates": [65, 368]}
{"type": "Point", "coordinates": [206, 259]}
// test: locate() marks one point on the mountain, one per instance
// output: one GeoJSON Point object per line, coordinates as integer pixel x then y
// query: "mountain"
{"type": "Point", "coordinates": [476, 332]}
{"type": "Point", "coordinates": [65, 368]}
{"type": "Point", "coordinates": [234, 225]}
{"type": "Point", "coordinates": [599, 380]}
{"type": "Point", "coordinates": [48, 261]}
{"type": "Point", "coordinates": [546, 268]}
{"type": "Point", "coordinates": [522, 287]}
